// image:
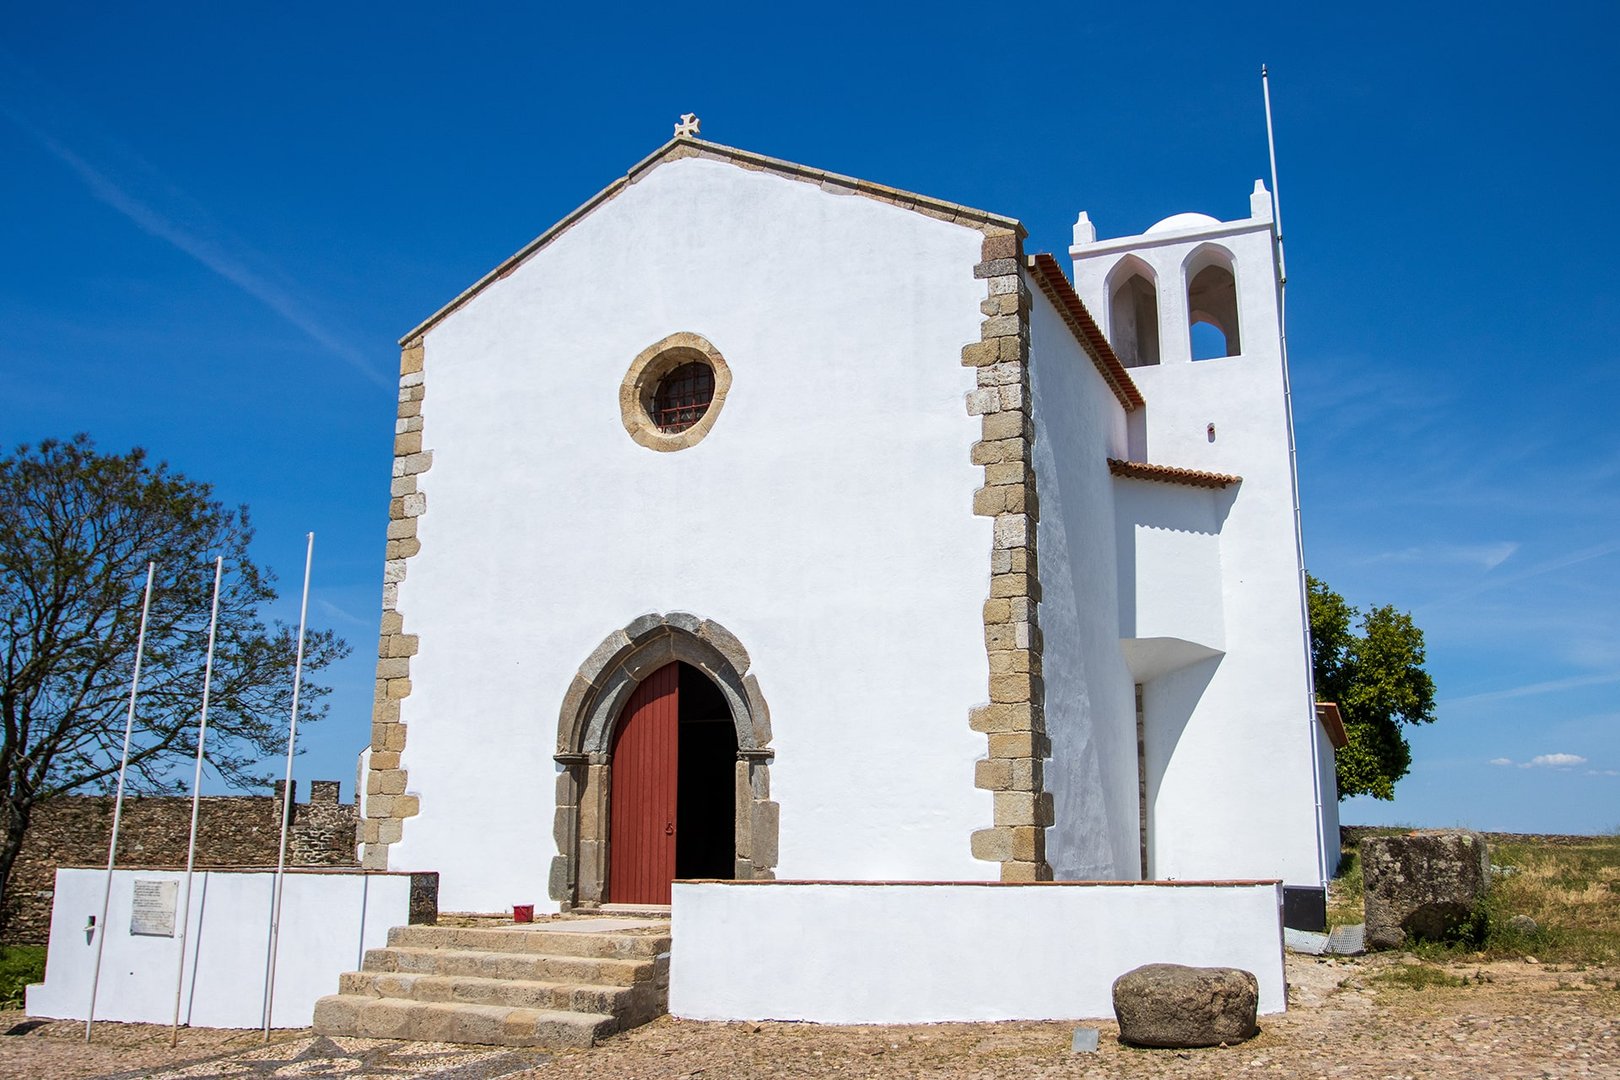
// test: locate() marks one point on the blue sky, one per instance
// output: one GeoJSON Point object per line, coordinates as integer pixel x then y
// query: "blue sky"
{"type": "Point", "coordinates": [217, 221]}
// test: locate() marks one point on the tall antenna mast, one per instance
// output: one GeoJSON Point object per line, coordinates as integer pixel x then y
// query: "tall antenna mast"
{"type": "Point", "coordinates": [1324, 871]}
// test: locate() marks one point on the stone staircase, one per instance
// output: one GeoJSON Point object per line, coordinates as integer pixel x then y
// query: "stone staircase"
{"type": "Point", "coordinates": [562, 983]}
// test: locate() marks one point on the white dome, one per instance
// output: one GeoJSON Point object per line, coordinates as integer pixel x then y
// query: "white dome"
{"type": "Point", "coordinates": [1177, 222]}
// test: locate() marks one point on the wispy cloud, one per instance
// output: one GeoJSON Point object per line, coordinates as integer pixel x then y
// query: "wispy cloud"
{"type": "Point", "coordinates": [1486, 556]}
{"type": "Point", "coordinates": [185, 226]}
{"type": "Point", "coordinates": [1529, 689]}
{"type": "Point", "coordinates": [1501, 761]}
{"type": "Point", "coordinates": [1547, 566]}
{"type": "Point", "coordinates": [342, 615]}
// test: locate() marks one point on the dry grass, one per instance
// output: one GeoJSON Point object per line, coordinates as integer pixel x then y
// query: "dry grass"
{"type": "Point", "coordinates": [1570, 885]}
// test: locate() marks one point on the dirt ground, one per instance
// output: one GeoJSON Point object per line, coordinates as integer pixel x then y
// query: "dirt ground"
{"type": "Point", "coordinates": [1346, 1019]}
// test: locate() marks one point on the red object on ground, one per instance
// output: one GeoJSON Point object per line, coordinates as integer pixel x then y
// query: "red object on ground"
{"type": "Point", "coordinates": [523, 913]}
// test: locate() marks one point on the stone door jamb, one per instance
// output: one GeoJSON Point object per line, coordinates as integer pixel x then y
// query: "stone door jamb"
{"type": "Point", "coordinates": [585, 724]}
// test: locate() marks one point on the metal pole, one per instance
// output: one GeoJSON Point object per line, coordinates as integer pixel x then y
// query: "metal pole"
{"type": "Point", "coordinates": [1324, 871]}
{"type": "Point", "coordinates": [286, 802]}
{"type": "Point", "coordinates": [196, 792]}
{"type": "Point", "coordinates": [118, 803]}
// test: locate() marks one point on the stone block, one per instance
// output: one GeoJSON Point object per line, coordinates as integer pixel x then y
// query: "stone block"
{"type": "Point", "coordinates": [397, 667]}
{"type": "Point", "coordinates": [384, 711]}
{"type": "Point", "coordinates": [389, 781]}
{"type": "Point", "coordinates": [401, 485]}
{"type": "Point", "coordinates": [992, 845]}
{"type": "Point", "coordinates": [994, 268]}
{"type": "Point", "coordinates": [759, 711]}
{"type": "Point", "coordinates": [1000, 245]}
{"type": "Point", "coordinates": [399, 529]}
{"type": "Point", "coordinates": [767, 826]}
{"type": "Point", "coordinates": [1019, 744]}
{"type": "Point", "coordinates": [998, 326]}
{"type": "Point", "coordinates": [407, 806]}
{"type": "Point", "coordinates": [1178, 1007]}
{"type": "Point", "coordinates": [1014, 870]}
{"type": "Point", "coordinates": [726, 644]}
{"type": "Point", "coordinates": [390, 831]}
{"type": "Point", "coordinates": [1030, 808]}
{"type": "Point", "coordinates": [1008, 472]}
{"type": "Point", "coordinates": [399, 688]}
{"type": "Point", "coordinates": [992, 774]}
{"type": "Point", "coordinates": [385, 759]}
{"type": "Point", "coordinates": [410, 359]}
{"type": "Point", "coordinates": [986, 399]}
{"type": "Point", "coordinates": [1422, 885]}
{"type": "Point", "coordinates": [989, 501]}
{"type": "Point", "coordinates": [980, 354]}
{"type": "Point", "coordinates": [407, 442]}
{"type": "Point", "coordinates": [1010, 425]}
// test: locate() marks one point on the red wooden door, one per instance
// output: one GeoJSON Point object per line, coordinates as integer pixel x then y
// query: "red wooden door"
{"type": "Point", "coordinates": [646, 758]}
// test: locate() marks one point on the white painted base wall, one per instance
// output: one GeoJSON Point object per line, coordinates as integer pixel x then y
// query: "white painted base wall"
{"type": "Point", "coordinates": [858, 953]}
{"type": "Point", "coordinates": [328, 920]}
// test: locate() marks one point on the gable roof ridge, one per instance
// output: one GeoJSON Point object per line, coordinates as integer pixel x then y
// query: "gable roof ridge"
{"type": "Point", "coordinates": [1049, 275]}
{"type": "Point", "coordinates": [683, 146]}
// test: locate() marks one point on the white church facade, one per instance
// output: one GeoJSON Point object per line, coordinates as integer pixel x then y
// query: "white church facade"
{"type": "Point", "coordinates": [758, 523]}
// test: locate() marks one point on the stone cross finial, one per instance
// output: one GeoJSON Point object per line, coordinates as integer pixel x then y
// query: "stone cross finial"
{"type": "Point", "coordinates": [688, 126]}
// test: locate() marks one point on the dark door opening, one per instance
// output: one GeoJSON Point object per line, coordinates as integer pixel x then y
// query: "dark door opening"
{"type": "Point", "coordinates": [706, 787]}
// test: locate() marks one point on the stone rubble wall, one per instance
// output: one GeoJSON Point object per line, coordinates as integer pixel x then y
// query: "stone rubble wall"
{"type": "Point", "coordinates": [232, 830]}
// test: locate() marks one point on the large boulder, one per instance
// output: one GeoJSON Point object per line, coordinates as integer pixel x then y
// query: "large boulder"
{"type": "Point", "coordinates": [1170, 1005]}
{"type": "Point", "coordinates": [1422, 885]}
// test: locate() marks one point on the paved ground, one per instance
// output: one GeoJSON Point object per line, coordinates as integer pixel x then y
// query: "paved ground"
{"type": "Point", "coordinates": [1510, 1020]}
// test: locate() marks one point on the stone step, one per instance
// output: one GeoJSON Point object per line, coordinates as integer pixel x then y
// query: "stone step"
{"type": "Point", "coordinates": [589, 943]}
{"type": "Point", "coordinates": [529, 967]}
{"type": "Point", "coordinates": [513, 993]}
{"type": "Point", "coordinates": [431, 1021]}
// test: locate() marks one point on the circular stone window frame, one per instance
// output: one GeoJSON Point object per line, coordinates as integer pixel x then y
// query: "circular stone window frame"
{"type": "Point", "coordinates": [641, 383]}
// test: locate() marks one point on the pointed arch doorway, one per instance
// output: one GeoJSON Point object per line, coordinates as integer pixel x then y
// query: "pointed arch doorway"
{"type": "Point", "coordinates": [672, 808]}
{"type": "Point", "coordinates": [615, 786]}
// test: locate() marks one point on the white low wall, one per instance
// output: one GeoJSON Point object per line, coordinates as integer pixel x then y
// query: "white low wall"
{"type": "Point", "coordinates": [328, 920]}
{"type": "Point", "coordinates": [887, 953]}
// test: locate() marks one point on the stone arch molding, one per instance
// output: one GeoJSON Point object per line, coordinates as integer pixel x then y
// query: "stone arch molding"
{"type": "Point", "coordinates": [585, 724]}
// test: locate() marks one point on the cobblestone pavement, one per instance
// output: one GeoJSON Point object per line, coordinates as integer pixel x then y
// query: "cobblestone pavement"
{"type": "Point", "coordinates": [1511, 1019]}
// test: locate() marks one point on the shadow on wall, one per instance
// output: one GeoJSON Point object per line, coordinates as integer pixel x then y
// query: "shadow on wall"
{"type": "Point", "coordinates": [1151, 505]}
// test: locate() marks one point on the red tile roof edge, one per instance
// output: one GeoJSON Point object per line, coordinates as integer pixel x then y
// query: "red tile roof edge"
{"type": "Point", "coordinates": [1170, 474]}
{"type": "Point", "coordinates": [1328, 713]}
{"type": "Point", "coordinates": [1049, 275]}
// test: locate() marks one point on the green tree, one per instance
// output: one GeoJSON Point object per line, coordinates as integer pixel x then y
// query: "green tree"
{"type": "Point", "coordinates": [1371, 664]}
{"type": "Point", "coordinates": [76, 531]}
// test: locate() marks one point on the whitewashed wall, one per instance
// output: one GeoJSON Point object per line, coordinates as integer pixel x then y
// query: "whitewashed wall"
{"type": "Point", "coordinates": [912, 954]}
{"type": "Point", "coordinates": [328, 920]}
{"type": "Point", "coordinates": [1232, 768]}
{"type": "Point", "coordinates": [826, 521]}
{"type": "Point", "coordinates": [1090, 698]}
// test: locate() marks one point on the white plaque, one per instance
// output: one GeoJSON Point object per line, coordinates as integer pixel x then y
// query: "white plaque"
{"type": "Point", "coordinates": [153, 910]}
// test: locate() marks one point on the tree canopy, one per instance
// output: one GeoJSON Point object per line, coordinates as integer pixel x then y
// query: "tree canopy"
{"type": "Point", "coordinates": [77, 529]}
{"type": "Point", "coordinates": [1371, 664]}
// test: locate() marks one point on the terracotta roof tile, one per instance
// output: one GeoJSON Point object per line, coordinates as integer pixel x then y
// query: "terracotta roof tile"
{"type": "Point", "coordinates": [1049, 276]}
{"type": "Point", "coordinates": [1169, 474]}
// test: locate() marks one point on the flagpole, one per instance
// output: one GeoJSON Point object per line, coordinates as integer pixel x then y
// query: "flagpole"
{"type": "Point", "coordinates": [196, 792]}
{"type": "Point", "coordinates": [1324, 871]}
{"type": "Point", "coordinates": [286, 801]}
{"type": "Point", "coordinates": [118, 802]}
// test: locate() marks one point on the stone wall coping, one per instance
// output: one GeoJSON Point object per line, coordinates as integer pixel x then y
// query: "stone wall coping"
{"type": "Point", "coordinates": [682, 146]}
{"type": "Point", "coordinates": [1213, 884]}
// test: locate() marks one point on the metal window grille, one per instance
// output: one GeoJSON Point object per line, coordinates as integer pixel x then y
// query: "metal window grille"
{"type": "Point", "coordinates": [683, 396]}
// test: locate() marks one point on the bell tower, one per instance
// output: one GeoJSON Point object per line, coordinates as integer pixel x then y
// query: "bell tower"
{"type": "Point", "coordinates": [1192, 307]}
